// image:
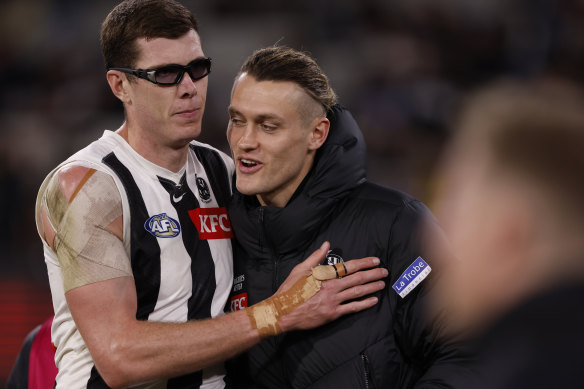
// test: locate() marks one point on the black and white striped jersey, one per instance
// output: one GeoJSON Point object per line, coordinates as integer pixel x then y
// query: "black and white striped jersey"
{"type": "Point", "coordinates": [177, 237]}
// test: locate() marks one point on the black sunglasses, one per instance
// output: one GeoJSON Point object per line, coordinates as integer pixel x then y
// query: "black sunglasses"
{"type": "Point", "coordinates": [172, 74]}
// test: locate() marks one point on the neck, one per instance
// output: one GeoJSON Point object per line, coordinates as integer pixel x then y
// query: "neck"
{"type": "Point", "coordinates": [170, 158]}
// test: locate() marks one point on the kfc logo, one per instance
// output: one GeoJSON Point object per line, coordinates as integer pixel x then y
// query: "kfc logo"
{"type": "Point", "coordinates": [239, 302]}
{"type": "Point", "coordinates": [212, 223]}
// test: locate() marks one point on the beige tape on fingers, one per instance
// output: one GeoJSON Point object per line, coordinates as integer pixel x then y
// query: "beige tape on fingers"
{"type": "Point", "coordinates": [328, 272]}
{"type": "Point", "coordinates": [341, 269]}
{"type": "Point", "coordinates": [265, 315]}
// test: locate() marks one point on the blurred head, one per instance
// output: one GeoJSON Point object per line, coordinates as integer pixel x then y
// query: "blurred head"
{"type": "Point", "coordinates": [511, 199]}
{"type": "Point", "coordinates": [150, 34]}
{"type": "Point", "coordinates": [278, 109]}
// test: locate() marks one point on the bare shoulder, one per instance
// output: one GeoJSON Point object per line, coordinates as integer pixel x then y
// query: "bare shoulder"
{"type": "Point", "coordinates": [75, 191]}
{"type": "Point", "coordinates": [72, 178]}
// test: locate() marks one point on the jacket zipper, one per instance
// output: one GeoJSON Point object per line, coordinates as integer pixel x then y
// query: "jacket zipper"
{"type": "Point", "coordinates": [368, 382]}
{"type": "Point", "coordinates": [261, 230]}
{"type": "Point", "coordinates": [271, 250]}
{"type": "Point", "coordinates": [275, 279]}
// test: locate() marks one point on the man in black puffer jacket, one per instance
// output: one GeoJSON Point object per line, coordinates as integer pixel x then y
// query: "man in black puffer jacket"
{"type": "Point", "coordinates": [299, 184]}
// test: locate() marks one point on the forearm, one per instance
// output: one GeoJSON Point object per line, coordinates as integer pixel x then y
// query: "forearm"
{"type": "Point", "coordinates": [127, 351]}
{"type": "Point", "coordinates": [146, 351]}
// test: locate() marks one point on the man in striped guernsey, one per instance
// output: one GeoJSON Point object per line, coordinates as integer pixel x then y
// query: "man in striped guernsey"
{"type": "Point", "coordinates": [136, 236]}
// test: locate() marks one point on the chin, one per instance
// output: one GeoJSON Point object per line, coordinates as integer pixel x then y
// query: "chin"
{"type": "Point", "coordinates": [191, 129]}
{"type": "Point", "coordinates": [246, 188]}
{"type": "Point", "coordinates": [193, 132]}
{"type": "Point", "coordinates": [179, 144]}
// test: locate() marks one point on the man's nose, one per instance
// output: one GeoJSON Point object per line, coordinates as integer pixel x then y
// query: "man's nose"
{"type": "Point", "coordinates": [248, 139]}
{"type": "Point", "coordinates": [187, 86]}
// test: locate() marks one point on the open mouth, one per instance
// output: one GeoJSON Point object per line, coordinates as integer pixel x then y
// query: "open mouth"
{"type": "Point", "coordinates": [248, 163]}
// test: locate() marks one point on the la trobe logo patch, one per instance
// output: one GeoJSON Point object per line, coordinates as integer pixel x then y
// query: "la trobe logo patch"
{"type": "Point", "coordinates": [412, 277]}
{"type": "Point", "coordinates": [162, 226]}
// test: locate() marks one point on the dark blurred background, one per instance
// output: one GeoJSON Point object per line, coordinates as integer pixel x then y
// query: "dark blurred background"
{"type": "Point", "coordinates": [401, 66]}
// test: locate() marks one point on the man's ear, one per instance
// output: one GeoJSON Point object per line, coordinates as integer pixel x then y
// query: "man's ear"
{"type": "Point", "coordinates": [513, 237]}
{"type": "Point", "coordinates": [118, 83]}
{"type": "Point", "coordinates": [319, 133]}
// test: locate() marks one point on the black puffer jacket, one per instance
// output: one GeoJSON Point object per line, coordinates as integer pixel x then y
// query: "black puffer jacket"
{"type": "Point", "coordinates": [388, 346]}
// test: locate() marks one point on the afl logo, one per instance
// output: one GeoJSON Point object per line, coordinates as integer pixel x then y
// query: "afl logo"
{"type": "Point", "coordinates": [162, 226]}
{"type": "Point", "coordinates": [204, 192]}
{"type": "Point", "coordinates": [332, 257]}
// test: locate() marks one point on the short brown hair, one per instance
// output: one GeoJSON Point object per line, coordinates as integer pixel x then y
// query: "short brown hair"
{"type": "Point", "coordinates": [133, 19]}
{"type": "Point", "coordinates": [532, 130]}
{"type": "Point", "coordinates": [281, 63]}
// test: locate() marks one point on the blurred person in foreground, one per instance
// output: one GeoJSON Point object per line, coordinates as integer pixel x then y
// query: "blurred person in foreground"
{"type": "Point", "coordinates": [512, 204]}
{"type": "Point", "coordinates": [136, 236]}
{"type": "Point", "coordinates": [300, 178]}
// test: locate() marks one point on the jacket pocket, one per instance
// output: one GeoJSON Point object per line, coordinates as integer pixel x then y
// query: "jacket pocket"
{"type": "Point", "coordinates": [367, 372]}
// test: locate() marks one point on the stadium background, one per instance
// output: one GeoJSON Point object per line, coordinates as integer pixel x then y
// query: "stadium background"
{"type": "Point", "coordinates": [401, 66]}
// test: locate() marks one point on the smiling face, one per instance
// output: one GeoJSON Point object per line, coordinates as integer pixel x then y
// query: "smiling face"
{"type": "Point", "coordinates": [162, 117]}
{"type": "Point", "coordinates": [274, 131]}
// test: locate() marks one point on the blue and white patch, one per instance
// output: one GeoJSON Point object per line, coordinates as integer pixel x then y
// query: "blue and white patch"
{"type": "Point", "coordinates": [162, 226]}
{"type": "Point", "coordinates": [413, 275]}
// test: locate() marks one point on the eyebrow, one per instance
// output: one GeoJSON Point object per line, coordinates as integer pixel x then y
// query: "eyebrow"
{"type": "Point", "coordinates": [259, 118]}
{"type": "Point", "coordinates": [233, 111]}
{"type": "Point", "coordinates": [262, 117]}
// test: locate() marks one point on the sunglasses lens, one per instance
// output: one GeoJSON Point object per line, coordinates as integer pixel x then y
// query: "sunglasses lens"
{"type": "Point", "coordinates": [168, 74]}
{"type": "Point", "coordinates": [199, 69]}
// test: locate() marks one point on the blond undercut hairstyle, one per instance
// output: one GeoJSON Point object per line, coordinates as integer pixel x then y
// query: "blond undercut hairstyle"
{"type": "Point", "coordinates": [281, 63]}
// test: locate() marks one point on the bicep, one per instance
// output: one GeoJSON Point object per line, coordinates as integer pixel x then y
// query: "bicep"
{"type": "Point", "coordinates": [101, 311]}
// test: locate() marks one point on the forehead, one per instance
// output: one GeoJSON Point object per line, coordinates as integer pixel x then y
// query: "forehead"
{"type": "Point", "coordinates": [467, 181]}
{"type": "Point", "coordinates": [163, 51]}
{"type": "Point", "coordinates": [278, 98]}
